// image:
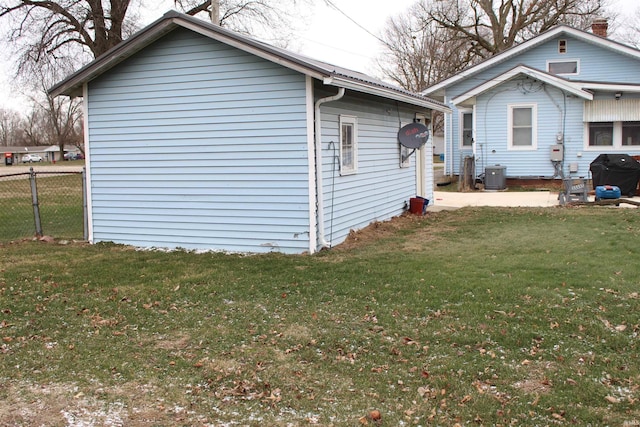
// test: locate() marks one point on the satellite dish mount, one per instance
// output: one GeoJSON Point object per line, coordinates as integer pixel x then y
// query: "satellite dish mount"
{"type": "Point", "coordinates": [413, 136]}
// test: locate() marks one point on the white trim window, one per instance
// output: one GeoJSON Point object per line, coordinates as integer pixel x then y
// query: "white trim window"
{"type": "Point", "coordinates": [466, 129]}
{"type": "Point", "coordinates": [348, 145]}
{"type": "Point", "coordinates": [562, 46]}
{"type": "Point", "coordinates": [565, 67]}
{"type": "Point", "coordinates": [522, 127]}
{"type": "Point", "coordinates": [615, 135]}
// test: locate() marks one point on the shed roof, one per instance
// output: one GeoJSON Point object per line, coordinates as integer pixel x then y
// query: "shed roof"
{"type": "Point", "coordinates": [329, 74]}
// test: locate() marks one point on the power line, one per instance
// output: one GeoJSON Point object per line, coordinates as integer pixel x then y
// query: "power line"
{"type": "Point", "coordinates": [330, 3]}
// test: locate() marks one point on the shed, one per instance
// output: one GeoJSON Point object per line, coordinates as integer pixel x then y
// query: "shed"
{"type": "Point", "coordinates": [197, 137]}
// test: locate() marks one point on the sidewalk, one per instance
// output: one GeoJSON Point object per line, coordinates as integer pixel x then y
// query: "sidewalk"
{"type": "Point", "coordinates": [446, 200]}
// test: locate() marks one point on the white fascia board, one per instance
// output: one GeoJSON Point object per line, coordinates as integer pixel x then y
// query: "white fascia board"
{"type": "Point", "coordinates": [565, 85]}
{"type": "Point", "coordinates": [73, 85]}
{"type": "Point", "coordinates": [610, 87]}
{"type": "Point", "coordinates": [542, 38]}
{"type": "Point", "coordinates": [386, 93]}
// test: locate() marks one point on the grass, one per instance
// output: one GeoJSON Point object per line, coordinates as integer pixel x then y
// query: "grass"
{"type": "Point", "coordinates": [59, 199]}
{"type": "Point", "coordinates": [479, 316]}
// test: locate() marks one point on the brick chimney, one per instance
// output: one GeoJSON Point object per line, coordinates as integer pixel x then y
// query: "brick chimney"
{"type": "Point", "coordinates": [599, 27]}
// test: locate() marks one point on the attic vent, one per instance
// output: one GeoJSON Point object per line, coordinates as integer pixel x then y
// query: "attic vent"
{"type": "Point", "coordinates": [562, 46]}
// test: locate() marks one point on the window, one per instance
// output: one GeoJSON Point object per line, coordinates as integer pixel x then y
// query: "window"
{"type": "Point", "coordinates": [614, 135]}
{"type": "Point", "coordinates": [601, 134]}
{"type": "Point", "coordinates": [522, 125]}
{"type": "Point", "coordinates": [563, 67]}
{"type": "Point", "coordinates": [348, 145]}
{"type": "Point", "coordinates": [630, 133]}
{"type": "Point", "coordinates": [562, 46]}
{"type": "Point", "coordinates": [467, 129]}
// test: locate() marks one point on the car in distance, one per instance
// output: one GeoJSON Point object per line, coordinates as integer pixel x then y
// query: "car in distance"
{"type": "Point", "coordinates": [30, 158]}
{"type": "Point", "coordinates": [73, 156]}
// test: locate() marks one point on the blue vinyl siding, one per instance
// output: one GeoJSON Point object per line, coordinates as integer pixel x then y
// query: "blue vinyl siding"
{"type": "Point", "coordinates": [197, 145]}
{"type": "Point", "coordinates": [556, 113]}
{"type": "Point", "coordinates": [380, 188]}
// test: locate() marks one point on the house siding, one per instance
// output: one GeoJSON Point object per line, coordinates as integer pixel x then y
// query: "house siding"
{"type": "Point", "coordinates": [380, 189]}
{"type": "Point", "coordinates": [195, 144]}
{"type": "Point", "coordinates": [556, 113]}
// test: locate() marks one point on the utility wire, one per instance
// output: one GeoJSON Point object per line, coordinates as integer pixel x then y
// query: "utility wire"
{"type": "Point", "coordinates": [330, 3]}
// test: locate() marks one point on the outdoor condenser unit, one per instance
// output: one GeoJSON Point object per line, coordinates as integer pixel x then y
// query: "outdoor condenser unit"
{"type": "Point", "coordinates": [495, 177]}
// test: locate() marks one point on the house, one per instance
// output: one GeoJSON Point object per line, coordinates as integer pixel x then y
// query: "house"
{"type": "Point", "coordinates": [48, 153]}
{"type": "Point", "coordinates": [197, 137]}
{"type": "Point", "coordinates": [544, 109]}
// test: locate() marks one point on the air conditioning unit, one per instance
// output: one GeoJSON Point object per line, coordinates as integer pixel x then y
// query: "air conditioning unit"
{"type": "Point", "coordinates": [495, 177]}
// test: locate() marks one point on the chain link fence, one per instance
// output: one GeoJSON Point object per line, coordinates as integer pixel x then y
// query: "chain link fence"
{"type": "Point", "coordinates": [42, 203]}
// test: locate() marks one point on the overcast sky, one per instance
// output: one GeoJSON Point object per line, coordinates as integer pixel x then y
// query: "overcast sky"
{"type": "Point", "coordinates": [326, 35]}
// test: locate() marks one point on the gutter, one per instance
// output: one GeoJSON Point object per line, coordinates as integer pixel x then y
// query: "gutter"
{"type": "Point", "coordinates": [318, 146]}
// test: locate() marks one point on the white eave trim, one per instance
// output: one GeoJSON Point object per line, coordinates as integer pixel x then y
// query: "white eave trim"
{"type": "Point", "coordinates": [554, 32]}
{"type": "Point", "coordinates": [609, 87]}
{"type": "Point", "coordinates": [570, 87]}
{"type": "Point", "coordinates": [386, 93]}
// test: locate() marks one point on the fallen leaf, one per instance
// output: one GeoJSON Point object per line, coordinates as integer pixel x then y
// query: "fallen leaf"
{"type": "Point", "coordinates": [621, 328]}
{"type": "Point", "coordinates": [465, 399]}
{"type": "Point", "coordinates": [612, 399]}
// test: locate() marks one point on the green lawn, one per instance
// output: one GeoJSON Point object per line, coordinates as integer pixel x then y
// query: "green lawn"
{"type": "Point", "coordinates": [60, 203]}
{"type": "Point", "coordinates": [483, 316]}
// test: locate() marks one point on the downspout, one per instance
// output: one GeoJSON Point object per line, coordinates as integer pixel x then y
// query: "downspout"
{"type": "Point", "coordinates": [318, 144]}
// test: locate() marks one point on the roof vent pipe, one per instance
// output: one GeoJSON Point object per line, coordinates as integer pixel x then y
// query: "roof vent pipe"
{"type": "Point", "coordinates": [215, 12]}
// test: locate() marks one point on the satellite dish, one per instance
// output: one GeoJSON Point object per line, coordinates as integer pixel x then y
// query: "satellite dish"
{"type": "Point", "coordinates": [413, 135]}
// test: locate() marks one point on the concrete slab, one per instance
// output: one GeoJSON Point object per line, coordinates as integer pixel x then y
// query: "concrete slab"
{"type": "Point", "coordinates": [449, 199]}
{"type": "Point", "coordinates": [445, 200]}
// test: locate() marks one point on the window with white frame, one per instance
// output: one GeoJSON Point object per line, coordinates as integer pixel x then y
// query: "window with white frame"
{"type": "Point", "coordinates": [562, 46]}
{"type": "Point", "coordinates": [466, 129]}
{"type": "Point", "coordinates": [630, 133]}
{"type": "Point", "coordinates": [522, 127]}
{"type": "Point", "coordinates": [348, 145]}
{"type": "Point", "coordinates": [566, 67]}
{"type": "Point", "coordinates": [612, 134]}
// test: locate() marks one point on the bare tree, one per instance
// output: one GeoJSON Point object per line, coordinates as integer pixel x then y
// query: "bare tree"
{"type": "Point", "coordinates": [11, 124]}
{"type": "Point", "coordinates": [274, 19]}
{"type": "Point", "coordinates": [492, 26]}
{"type": "Point", "coordinates": [630, 31]}
{"type": "Point", "coordinates": [46, 31]}
{"type": "Point", "coordinates": [418, 53]}
{"type": "Point", "coordinates": [55, 121]}
{"type": "Point", "coordinates": [34, 127]}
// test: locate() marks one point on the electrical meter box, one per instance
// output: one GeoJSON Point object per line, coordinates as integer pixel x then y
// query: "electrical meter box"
{"type": "Point", "coordinates": [557, 152]}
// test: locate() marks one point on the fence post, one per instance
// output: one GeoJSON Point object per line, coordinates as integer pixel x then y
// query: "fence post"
{"type": "Point", "coordinates": [34, 198]}
{"type": "Point", "coordinates": [85, 211]}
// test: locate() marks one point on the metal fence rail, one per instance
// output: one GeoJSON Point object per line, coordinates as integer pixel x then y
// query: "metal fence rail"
{"type": "Point", "coordinates": [42, 203]}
